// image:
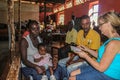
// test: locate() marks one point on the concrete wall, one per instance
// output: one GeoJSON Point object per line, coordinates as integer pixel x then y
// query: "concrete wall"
{"type": "Point", "coordinates": [28, 11]}
{"type": "Point", "coordinates": [107, 5]}
{"type": "Point", "coordinates": [3, 11]}
{"type": "Point", "coordinates": [104, 6]}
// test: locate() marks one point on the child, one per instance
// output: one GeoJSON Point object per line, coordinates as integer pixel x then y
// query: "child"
{"type": "Point", "coordinates": [43, 59]}
{"type": "Point", "coordinates": [56, 70]}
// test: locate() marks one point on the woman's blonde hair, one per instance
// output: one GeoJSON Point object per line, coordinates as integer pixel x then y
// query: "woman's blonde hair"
{"type": "Point", "coordinates": [113, 18]}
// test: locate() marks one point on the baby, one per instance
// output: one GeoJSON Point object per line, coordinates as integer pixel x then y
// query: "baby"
{"type": "Point", "coordinates": [42, 58]}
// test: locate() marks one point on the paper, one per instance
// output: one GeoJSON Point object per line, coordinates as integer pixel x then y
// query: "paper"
{"type": "Point", "coordinates": [75, 49]}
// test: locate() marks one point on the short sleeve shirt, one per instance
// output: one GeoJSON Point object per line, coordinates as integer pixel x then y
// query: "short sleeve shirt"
{"type": "Point", "coordinates": [92, 40]}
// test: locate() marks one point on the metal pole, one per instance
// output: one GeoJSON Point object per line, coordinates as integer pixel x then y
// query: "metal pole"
{"type": "Point", "coordinates": [11, 24]}
{"type": "Point", "coordinates": [19, 19]}
{"type": "Point", "coordinates": [45, 23]}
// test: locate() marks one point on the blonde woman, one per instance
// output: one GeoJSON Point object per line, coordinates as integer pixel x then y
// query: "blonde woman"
{"type": "Point", "coordinates": [107, 65]}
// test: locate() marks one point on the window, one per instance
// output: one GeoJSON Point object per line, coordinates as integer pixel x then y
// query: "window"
{"type": "Point", "coordinates": [61, 19]}
{"type": "Point", "coordinates": [93, 12]}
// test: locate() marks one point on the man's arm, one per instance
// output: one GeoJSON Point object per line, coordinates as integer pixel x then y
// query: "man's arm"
{"type": "Point", "coordinates": [70, 61]}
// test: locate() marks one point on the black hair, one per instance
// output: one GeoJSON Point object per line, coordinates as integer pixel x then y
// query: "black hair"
{"type": "Point", "coordinates": [84, 17]}
{"type": "Point", "coordinates": [41, 45]}
{"type": "Point", "coordinates": [73, 17]}
{"type": "Point", "coordinates": [32, 22]}
{"type": "Point", "coordinates": [70, 22]}
{"type": "Point", "coordinates": [69, 25]}
{"type": "Point", "coordinates": [28, 23]}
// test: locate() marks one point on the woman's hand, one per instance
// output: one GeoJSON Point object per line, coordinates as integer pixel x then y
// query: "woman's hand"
{"type": "Point", "coordinates": [92, 52]}
{"type": "Point", "coordinates": [40, 69]}
{"type": "Point", "coordinates": [82, 54]}
{"type": "Point", "coordinates": [83, 48]}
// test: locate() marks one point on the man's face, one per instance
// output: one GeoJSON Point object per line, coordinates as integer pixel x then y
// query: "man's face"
{"type": "Point", "coordinates": [85, 23]}
{"type": "Point", "coordinates": [35, 30]}
{"type": "Point", "coordinates": [55, 60]}
{"type": "Point", "coordinates": [70, 26]}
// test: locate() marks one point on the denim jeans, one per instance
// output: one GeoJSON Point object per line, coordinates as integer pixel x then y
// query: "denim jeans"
{"type": "Point", "coordinates": [63, 62]}
{"type": "Point", "coordinates": [75, 66]}
{"type": "Point", "coordinates": [89, 73]}
{"type": "Point", "coordinates": [27, 72]}
{"type": "Point", "coordinates": [59, 73]}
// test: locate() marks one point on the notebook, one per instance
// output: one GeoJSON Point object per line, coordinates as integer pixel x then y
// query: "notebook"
{"type": "Point", "coordinates": [75, 49]}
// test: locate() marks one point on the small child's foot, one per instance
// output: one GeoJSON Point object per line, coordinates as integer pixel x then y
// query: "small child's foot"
{"type": "Point", "coordinates": [52, 77]}
{"type": "Point", "coordinates": [44, 77]}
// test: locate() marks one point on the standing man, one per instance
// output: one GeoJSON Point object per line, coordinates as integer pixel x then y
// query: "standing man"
{"type": "Point", "coordinates": [28, 48]}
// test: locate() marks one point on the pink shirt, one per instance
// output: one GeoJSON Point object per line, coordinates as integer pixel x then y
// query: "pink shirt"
{"type": "Point", "coordinates": [47, 60]}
